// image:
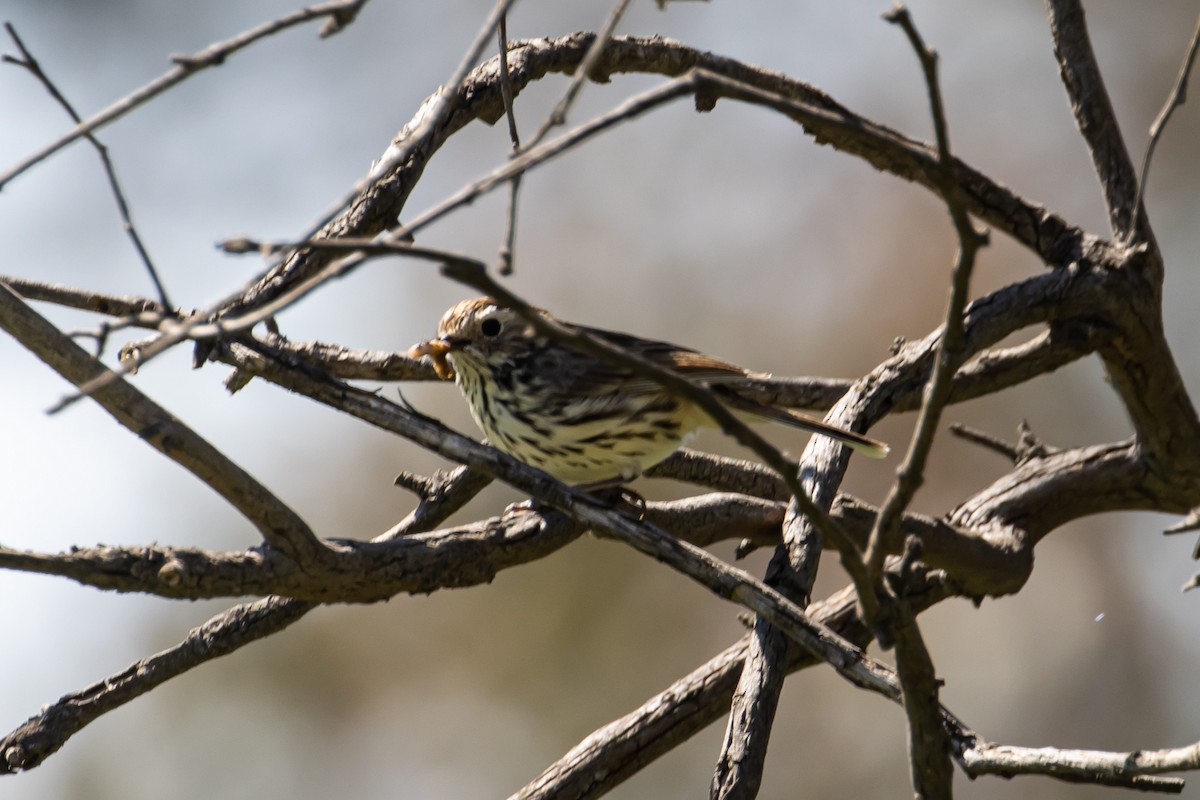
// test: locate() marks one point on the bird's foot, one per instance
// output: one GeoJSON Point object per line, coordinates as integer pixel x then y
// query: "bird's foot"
{"type": "Point", "coordinates": [606, 495]}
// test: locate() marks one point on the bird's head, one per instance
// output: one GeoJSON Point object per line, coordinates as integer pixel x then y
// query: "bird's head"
{"type": "Point", "coordinates": [471, 335]}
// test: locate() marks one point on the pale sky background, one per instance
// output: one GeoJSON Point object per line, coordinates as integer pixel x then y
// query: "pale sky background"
{"type": "Point", "coordinates": [729, 231]}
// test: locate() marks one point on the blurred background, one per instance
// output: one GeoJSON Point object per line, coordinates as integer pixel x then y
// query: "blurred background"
{"type": "Point", "coordinates": [728, 231]}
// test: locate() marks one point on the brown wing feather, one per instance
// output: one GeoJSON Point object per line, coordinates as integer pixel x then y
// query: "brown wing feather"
{"type": "Point", "coordinates": [720, 374]}
{"type": "Point", "coordinates": [689, 363]}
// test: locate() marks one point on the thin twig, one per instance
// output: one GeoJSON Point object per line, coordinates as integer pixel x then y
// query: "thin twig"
{"type": "Point", "coordinates": [910, 475]}
{"type": "Point", "coordinates": [929, 743]}
{"type": "Point", "coordinates": [583, 72]}
{"type": "Point", "coordinates": [141, 311]}
{"type": "Point", "coordinates": [203, 326]}
{"type": "Point", "coordinates": [509, 242]}
{"type": "Point", "coordinates": [986, 441]}
{"type": "Point", "coordinates": [431, 116]}
{"type": "Point", "coordinates": [214, 55]}
{"type": "Point", "coordinates": [1175, 99]}
{"type": "Point", "coordinates": [446, 495]}
{"type": "Point", "coordinates": [31, 64]}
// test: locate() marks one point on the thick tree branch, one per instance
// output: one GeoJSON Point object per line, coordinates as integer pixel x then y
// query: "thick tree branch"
{"type": "Point", "coordinates": [1095, 116]}
{"type": "Point", "coordinates": [377, 206]}
{"type": "Point", "coordinates": [613, 753]}
{"type": "Point", "coordinates": [43, 734]}
{"type": "Point", "coordinates": [792, 570]}
{"type": "Point", "coordinates": [990, 371]}
{"type": "Point", "coordinates": [1103, 297]}
{"type": "Point", "coordinates": [481, 96]}
{"type": "Point", "coordinates": [361, 572]}
{"type": "Point", "coordinates": [1046, 491]}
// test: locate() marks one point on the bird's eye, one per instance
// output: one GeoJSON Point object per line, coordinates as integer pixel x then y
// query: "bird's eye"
{"type": "Point", "coordinates": [490, 326]}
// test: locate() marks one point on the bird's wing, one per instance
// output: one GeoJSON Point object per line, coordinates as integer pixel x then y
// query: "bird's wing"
{"type": "Point", "coordinates": [694, 366]}
{"type": "Point", "coordinates": [722, 376]}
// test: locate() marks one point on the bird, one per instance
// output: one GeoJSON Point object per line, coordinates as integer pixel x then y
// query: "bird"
{"type": "Point", "coordinates": [585, 421]}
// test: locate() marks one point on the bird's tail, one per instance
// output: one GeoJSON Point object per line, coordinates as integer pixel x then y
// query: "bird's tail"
{"type": "Point", "coordinates": [872, 448]}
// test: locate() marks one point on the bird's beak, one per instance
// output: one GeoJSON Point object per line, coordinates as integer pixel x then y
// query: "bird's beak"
{"type": "Point", "coordinates": [437, 350]}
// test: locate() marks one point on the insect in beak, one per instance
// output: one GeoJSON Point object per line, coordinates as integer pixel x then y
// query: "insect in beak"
{"type": "Point", "coordinates": [437, 350]}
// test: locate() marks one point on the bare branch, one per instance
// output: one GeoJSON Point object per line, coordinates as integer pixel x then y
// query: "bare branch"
{"type": "Point", "coordinates": [928, 734]}
{"type": "Point", "coordinates": [509, 242]}
{"type": "Point", "coordinates": [42, 735]}
{"type": "Point", "coordinates": [978, 562]}
{"type": "Point", "coordinates": [30, 63]}
{"type": "Point", "coordinates": [1176, 98]}
{"type": "Point", "coordinates": [711, 518]}
{"type": "Point", "coordinates": [279, 525]}
{"type": "Point", "coordinates": [792, 570]}
{"type": "Point", "coordinates": [140, 312]}
{"type": "Point", "coordinates": [949, 353]}
{"type": "Point", "coordinates": [148, 312]}
{"type": "Point", "coordinates": [928, 739]}
{"type": "Point", "coordinates": [558, 116]}
{"type": "Point", "coordinates": [481, 97]}
{"type": "Point", "coordinates": [721, 473]}
{"type": "Point", "coordinates": [1044, 491]}
{"type": "Point", "coordinates": [347, 364]}
{"type": "Point", "coordinates": [1095, 117]}
{"type": "Point", "coordinates": [340, 11]}
{"type": "Point", "coordinates": [363, 572]}
{"type": "Point", "coordinates": [986, 441]}
{"type": "Point", "coordinates": [417, 136]}
{"type": "Point", "coordinates": [616, 751]}
{"type": "Point", "coordinates": [445, 494]}
{"type": "Point", "coordinates": [1133, 770]}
